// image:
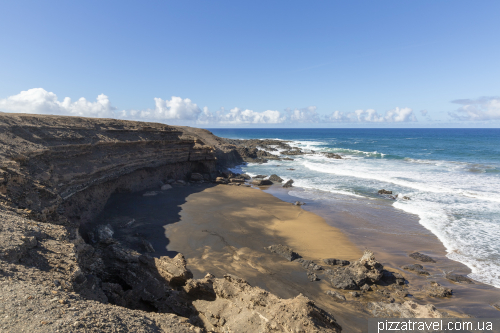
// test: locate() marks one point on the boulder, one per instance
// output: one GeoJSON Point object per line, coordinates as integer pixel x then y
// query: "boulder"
{"type": "Point", "coordinates": [421, 257]}
{"type": "Point", "coordinates": [245, 176]}
{"type": "Point", "coordinates": [283, 251]}
{"type": "Point", "coordinates": [389, 278]}
{"type": "Point", "coordinates": [416, 268]}
{"type": "Point", "coordinates": [261, 182]}
{"type": "Point", "coordinates": [382, 191]}
{"type": "Point", "coordinates": [221, 180]}
{"type": "Point", "coordinates": [237, 180]}
{"type": "Point", "coordinates": [334, 262]}
{"type": "Point", "coordinates": [275, 178]}
{"type": "Point", "coordinates": [332, 155]}
{"type": "Point", "coordinates": [166, 187]}
{"type": "Point", "coordinates": [104, 232]}
{"type": "Point", "coordinates": [406, 198]}
{"type": "Point", "coordinates": [458, 278]}
{"type": "Point", "coordinates": [196, 176]}
{"type": "Point", "coordinates": [436, 290]}
{"type": "Point", "coordinates": [353, 276]}
{"type": "Point", "coordinates": [260, 176]}
{"type": "Point", "coordinates": [288, 183]}
{"type": "Point", "coordinates": [173, 270]}
{"type": "Point", "coordinates": [311, 276]}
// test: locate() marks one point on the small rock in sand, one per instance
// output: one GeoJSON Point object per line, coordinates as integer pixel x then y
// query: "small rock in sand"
{"type": "Point", "coordinates": [335, 294]}
{"type": "Point", "coordinates": [436, 290]}
{"type": "Point", "coordinates": [459, 278]}
{"type": "Point", "coordinates": [283, 251]}
{"type": "Point", "coordinates": [312, 276]}
{"type": "Point", "coordinates": [421, 257]}
{"type": "Point", "coordinates": [416, 268]}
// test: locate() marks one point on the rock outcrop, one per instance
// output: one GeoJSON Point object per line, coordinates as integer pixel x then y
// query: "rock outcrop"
{"type": "Point", "coordinates": [367, 270]}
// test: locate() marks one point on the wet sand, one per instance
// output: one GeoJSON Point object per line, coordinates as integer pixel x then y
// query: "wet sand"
{"type": "Point", "coordinates": [393, 234]}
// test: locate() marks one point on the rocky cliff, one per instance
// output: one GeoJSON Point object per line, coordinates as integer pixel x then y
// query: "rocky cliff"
{"type": "Point", "coordinates": [56, 174]}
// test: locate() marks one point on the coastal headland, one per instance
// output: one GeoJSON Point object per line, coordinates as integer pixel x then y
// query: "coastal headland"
{"type": "Point", "coordinates": [188, 247]}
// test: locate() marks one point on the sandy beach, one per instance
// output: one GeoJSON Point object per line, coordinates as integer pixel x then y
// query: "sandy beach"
{"type": "Point", "coordinates": [224, 229]}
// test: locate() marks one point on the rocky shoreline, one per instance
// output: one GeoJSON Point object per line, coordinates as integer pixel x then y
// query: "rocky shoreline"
{"type": "Point", "coordinates": [59, 272]}
{"type": "Point", "coordinates": [56, 174]}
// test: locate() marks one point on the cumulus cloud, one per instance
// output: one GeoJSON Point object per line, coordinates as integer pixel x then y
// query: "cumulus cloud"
{"type": "Point", "coordinates": [395, 115]}
{"type": "Point", "coordinates": [304, 115]}
{"type": "Point", "coordinates": [483, 108]}
{"type": "Point", "coordinates": [173, 109]}
{"type": "Point", "coordinates": [178, 110]}
{"type": "Point", "coordinates": [40, 101]}
{"type": "Point", "coordinates": [237, 116]}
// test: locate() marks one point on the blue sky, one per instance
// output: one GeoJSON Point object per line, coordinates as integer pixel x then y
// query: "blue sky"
{"type": "Point", "coordinates": [255, 63]}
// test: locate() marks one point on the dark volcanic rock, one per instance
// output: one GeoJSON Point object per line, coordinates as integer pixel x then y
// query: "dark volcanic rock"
{"type": "Point", "coordinates": [309, 264]}
{"type": "Point", "coordinates": [312, 276]}
{"type": "Point", "coordinates": [384, 192]}
{"type": "Point", "coordinates": [283, 251]}
{"type": "Point", "coordinates": [276, 178]}
{"type": "Point", "coordinates": [288, 183]}
{"type": "Point", "coordinates": [366, 270]}
{"type": "Point", "coordinates": [421, 257]}
{"type": "Point", "coordinates": [334, 262]}
{"type": "Point", "coordinates": [293, 152]}
{"type": "Point", "coordinates": [332, 155]}
{"type": "Point", "coordinates": [389, 278]}
{"type": "Point", "coordinates": [459, 278]}
{"type": "Point", "coordinates": [221, 180]}
{"type": "Point", "coordinates": [436, 290]}
{"type": "Point", "coordinates": [261, 182]}
{"type": "Point", "coordinates": [416, 268]}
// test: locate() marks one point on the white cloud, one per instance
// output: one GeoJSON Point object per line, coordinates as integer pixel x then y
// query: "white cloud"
{"type": "Point", "coordinates": [174, 109]}
{"type": "Point", "coordinates": [304, 115]}
{"type": "Point", "coordinates": [178, 110]}
{"type": "Point", "coordinates": [40, 101]}
{"type": "Point", "coordinates": [483, 108]}
{"type": "Point", "coordinates": [239, 116]}
{"type": "Point", "coordinates": [395, 115]}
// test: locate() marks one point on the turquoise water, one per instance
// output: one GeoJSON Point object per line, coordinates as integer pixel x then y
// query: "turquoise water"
{"type": "Point", "coordinates": [451, 175]}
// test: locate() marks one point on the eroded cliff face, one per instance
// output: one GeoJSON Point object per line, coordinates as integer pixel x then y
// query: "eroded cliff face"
{"type": "Point", "coordinates": [54, 167]}
{"type": "Point", "coordinates": [56, 174]}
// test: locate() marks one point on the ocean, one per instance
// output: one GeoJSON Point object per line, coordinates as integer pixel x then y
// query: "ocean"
{"type": "Point", "coordinates": [452, 177]}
